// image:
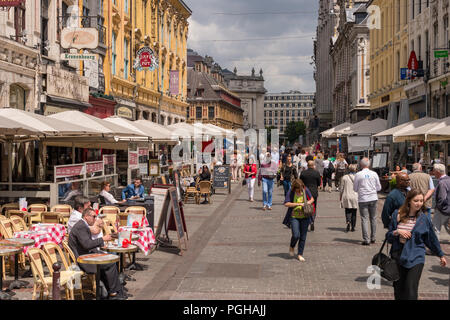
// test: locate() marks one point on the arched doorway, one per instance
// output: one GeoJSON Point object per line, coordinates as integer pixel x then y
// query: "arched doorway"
{"type": "Point", "coordinates": [17, 97]}
{"type": "Point", "coordinates": [154, 117]}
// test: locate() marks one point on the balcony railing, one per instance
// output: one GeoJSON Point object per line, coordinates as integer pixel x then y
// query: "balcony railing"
{"type": "Point", "coordinates": [88, 22]}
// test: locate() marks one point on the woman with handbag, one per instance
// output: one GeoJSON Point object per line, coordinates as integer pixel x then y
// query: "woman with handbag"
{"type": "Point", "coordinates": [288, 173]}
{"type": "Point", "coordinates": [349, 198]}
{"type": "Point", "coordinates": [409, 232]}
{"type": "Point", "coordinates": [299, 202]}
{"type": "Point", "coordinates": [250, 171]}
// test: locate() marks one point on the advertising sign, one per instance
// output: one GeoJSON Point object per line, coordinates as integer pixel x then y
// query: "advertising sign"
{"type": "Point", "coordinates": [413, 64]}
{"type": "Point", "coordinates": [92, 167]}
{"type": "Point", "coordinates": [143, 161]}
{"type": "Point", "coordinates": [146, 59]}
{"type": "Point", "coordinates": [79, 38]}
{"type": "Point", "coordinates": [133, 159]}
{"type": "Point", "coordinates": [11, 3]}
{"type": "Point", "coordinates": [69, 171]}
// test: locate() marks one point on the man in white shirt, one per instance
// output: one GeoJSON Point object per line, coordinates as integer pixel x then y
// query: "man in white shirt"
{"type": "Point", "coordinates": [82, 203]}
{"type": "Point", "coordinates": [74, 191]}
{"type": "Point", "coordinates": [367, 184]}
{"type": "Point", "coordinates": [109, 198]}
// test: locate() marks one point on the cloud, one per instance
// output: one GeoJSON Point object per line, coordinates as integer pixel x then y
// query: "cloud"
{"type": "Point", "coordinates": [285, 60]}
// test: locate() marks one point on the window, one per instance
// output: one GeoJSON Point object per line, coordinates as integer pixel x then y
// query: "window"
{"type": "Point", "coordinates": [211, 113]}
{"type": "Point", "coordinates": [270, 122]}
{"type": "Point", "coordinates": [276, 114]}
{"type": "Point", "coordinates": [125, 5]}
{"type": "Point", "coordinates": [420, 6]}
{"type": "Point", "coordinates": [419, 49]}
{"type": "Point", "coordinates": [16, 97]}
{"type": "Point", "coordinates": [446, 30]}
{"type": "Point", "coordinates": [114, 54]}
{"type": "Point", "coordinates": [187, 113]}
{"type": "Point", "coordinates": [125, 58]}
{"type": "Point", "coordinates": [198, 112]}
{"type": "Point", "coordinates": [281, 113]}
{"type": "Point", "coordinates": [287, 113]}
{"type": "Point", "coordinates": [397, 8]}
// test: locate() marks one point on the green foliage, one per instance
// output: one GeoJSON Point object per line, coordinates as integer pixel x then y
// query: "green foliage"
{"type": "Point", "coordinates": [294, 129]}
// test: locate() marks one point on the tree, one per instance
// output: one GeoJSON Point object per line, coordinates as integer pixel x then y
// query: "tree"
{"type": "Point", "coordinates": [294, 130]}
{"type": "Point", "coordinates": [269, 135]}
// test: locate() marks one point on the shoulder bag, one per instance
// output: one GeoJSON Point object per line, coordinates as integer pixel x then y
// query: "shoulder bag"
{"type": "Point", "coordinates": [308, 209]}
{"type": "Point", "coordinates": [387, 265]}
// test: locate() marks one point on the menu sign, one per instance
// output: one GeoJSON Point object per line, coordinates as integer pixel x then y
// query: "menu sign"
{"type": "Point", "coordinates": [133, 158]}
{"type": "Point", "coordinates": [221, 178]}
{"type": "Point", "coordinates": [69, 171]}
{"type": "Point", "coordinates": [92, 167]}
{"type": "Point", "coordinates": [109, 159]}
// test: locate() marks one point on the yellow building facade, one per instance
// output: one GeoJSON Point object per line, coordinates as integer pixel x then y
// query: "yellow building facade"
{"type": "Point", "coordinates": [161, 25]}
{"type": "Point", "coordinates": [389, 51]}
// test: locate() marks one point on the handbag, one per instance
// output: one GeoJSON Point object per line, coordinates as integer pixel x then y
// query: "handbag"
{"type": "Point", "coordinates": [387, 265]}
{"type": "Point", "coordinates": [308, 209]}
{"type": "Point", "coordinates": [244, 182]}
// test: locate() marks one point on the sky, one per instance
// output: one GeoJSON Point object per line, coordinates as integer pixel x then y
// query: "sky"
{"type": "Point", "coordinates": [286, 27]}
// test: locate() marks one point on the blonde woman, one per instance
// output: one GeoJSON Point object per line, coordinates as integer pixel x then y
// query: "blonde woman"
{"type": "Point", "coordinates": [349, 198]}
{"type": "Point", "coordinates": [340, 166]}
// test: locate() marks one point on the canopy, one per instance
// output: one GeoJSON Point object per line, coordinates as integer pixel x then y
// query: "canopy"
{"type": "Point", "coordinates": [440, 132]}
{"type": "Point", "coordinates": [159, 133]}
{"type": "Point", "coordinates": [419, 133]}
{"type": "Point", "coordinates": [331, 133]}
{"type": "Point", "coordinates": [96, 124]}
{"type": "Point", "coordinates": [205, 129]}
{"type": "Point", "coordinates": [183, 130]}
{"type": "Point", "coordinates": [364, 127]}
{"type": "Point", "coordinates": [398, 130]}
{"type": "Point", "coordinates": [226, 132]}
{"type": "Point", "coordinates": [19, 122]}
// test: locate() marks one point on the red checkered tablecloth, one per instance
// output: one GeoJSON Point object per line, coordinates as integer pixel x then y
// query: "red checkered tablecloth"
{"type": "Point", "coordinates": [43, 233]}
{"type": "Point", "coordinates": [146, 238]}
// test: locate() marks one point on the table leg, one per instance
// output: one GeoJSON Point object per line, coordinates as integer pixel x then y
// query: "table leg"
{"type": "Point", "coordinates": [3, 294]}
{"type": "Point", "coordinates": [97, 284]}
{"type": "Point", "coordinates": [17, 284]}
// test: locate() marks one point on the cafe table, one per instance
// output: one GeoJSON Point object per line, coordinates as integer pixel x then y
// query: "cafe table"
{"type": "Point", "coordinates": [43, 233]}
{"type": "Point", "coordinates": [5, 252]}
{"type": "Point", "coordinates": [98, 259]}
{"type": "Point", "coordinates": [17, 243]}
{"type": "Point", "coordinates": [114, 248]}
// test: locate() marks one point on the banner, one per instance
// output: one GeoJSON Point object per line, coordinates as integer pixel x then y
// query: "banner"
{"type": "Point", "coordinates": [133, 159]}
{"type": "Point", "coordinates": [69, 171]}
{"type": "Point", "coordinates": [92, 167]}
{"type": "Point", "coordinates": [174, 82]}
{"type": "Point", "coordinates": [11, 3]}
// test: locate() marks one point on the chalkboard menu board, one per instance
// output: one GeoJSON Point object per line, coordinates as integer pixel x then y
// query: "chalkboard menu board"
{"type": "Point", "coordinates": [221, 177]}
{"type": "Point", "coordinates": [177, 215]}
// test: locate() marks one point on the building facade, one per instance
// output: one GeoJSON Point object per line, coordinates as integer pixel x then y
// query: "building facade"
{"type": "Point", "coordinates": [250, 89]}
{"type": "Point", "coordinates": [161, 25]}
{"type": "Point", "coordinates": [350, 55]}
{"type": "Point", "coordinates": [209, 99]}
{"type": "Point", "coordinates": [285, 107]}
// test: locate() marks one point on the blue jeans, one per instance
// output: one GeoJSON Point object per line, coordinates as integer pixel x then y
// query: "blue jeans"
{"type": "Point", "coordinates": [299, 229]}
{"type": "Point", "coordinates": [286, 186]}
{"type": "Point", "coordinates": [267, 187]}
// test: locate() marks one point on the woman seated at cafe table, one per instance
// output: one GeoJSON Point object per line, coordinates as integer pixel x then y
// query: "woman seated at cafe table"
{"type": "Point", "coordinates": [105, 193]}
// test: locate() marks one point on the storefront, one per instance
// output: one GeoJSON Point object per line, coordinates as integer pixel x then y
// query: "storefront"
{"type": "Point", "coordinates": [103, 106]}
{"type": "Point", "coordinates": [125, 108]}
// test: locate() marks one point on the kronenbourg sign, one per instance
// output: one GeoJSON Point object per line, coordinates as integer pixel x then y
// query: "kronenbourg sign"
{"type": "Point", "coordinates": [79, 38]}
{"type": "Point", "coordinates": [146, 59]}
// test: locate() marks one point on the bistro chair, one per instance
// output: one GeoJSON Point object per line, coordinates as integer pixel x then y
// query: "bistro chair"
{"type": "Point", "coordinates": [7, 231]}
{"type": "Point", "coordinates": [39, 208]}
{"type": "Point", "coordinates": [191, 192]}
{"type": "Point", "coordinates": [18, 224]}
{"type": "Point", "coordinates": [63, 208]}
{"type": "Point", "coordinates": [136, 210]}
{"type": "Point", "coordinates": [71, 260]}
{"type": "Point", "coordinates": [2, 217]}
{"type": "Point", "coordinates": [110, 212]}
{"type": "Point", "coordinates": [53, 251]}
{"type": "Point", "coordinates": [51, 217]}
{"type": "Point", "coordinates": [9, 206]}
{"type": "Point", "coordinates": [205, 189]}
{"type": "Point", "coordinates": [123, 218]}
{"type": "Point", "coordinates": [44, 283]}
{"type": "Point", "coordinates": [21, 214]}
{"type": "Point", "coordinates": [109, 227]}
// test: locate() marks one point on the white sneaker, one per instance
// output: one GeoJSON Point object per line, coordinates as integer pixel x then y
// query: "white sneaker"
{"type": "Point", "coordinates": [301, 259]}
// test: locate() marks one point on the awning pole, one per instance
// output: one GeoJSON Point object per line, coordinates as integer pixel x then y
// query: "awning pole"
{"type": "Point", "coordinates": [73, 152]}
{"type": "Point", "coordinates": [10, 149]}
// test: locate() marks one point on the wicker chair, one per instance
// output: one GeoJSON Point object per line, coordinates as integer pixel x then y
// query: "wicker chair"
{"type": "Point", "coordinates": [63, 208]}
{"type": "Point", "coordinates": [39, 208]}
{"type": "Point", "coordinates": [123, 218]}
{"type": "Point", "coordinates": [7, 231]}
{"type": "Point", "coordinates": [42, 282]}
{"type": "Point", "coordinates": [21, 214]}
{"type": "Point", "coordinates": [18, 224]}
{"type": "Point", "coordinates": [111, 213]}
{"type": "Point", "coordinates": [53, 251]}
{"type": "Point", "coordinates": [9, 206]}
{"type": "Point", "coordinates": [136, 210]}
{"type": "Point", "coordinates": [108, 227]}
{"type": "Point", "coordinates": [205, 189]}
{"type": "Point", "coordinates": [51, 217]}
{"type": "Point", "coordinates": [192, 192]}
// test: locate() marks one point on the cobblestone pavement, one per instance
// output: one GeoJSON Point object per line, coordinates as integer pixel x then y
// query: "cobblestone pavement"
{"type": "Point", "coordinates": [237, 251]}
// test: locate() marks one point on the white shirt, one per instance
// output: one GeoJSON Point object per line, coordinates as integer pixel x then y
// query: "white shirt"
{"type": "Point", "coordinates": [74, 218]}
{"type": "Point", "coordinates": [109, 198]}
{"type": "Point", "coordinates": [367, 184]}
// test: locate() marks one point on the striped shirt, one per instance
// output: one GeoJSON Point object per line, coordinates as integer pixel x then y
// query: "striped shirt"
{"type": "Point", "coordinates": [406, 226]}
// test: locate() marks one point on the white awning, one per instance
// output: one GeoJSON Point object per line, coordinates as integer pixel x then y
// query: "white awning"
{"type": "Point", "coordinates": [441, 132]}
{"type": "Point", "coordinates": [419, 133]}
{"type": "Point", "coordinates": [365, 128]}
{"type": "Point", "coordinates": [398, 130]}
{"type": "Point", "coordinates": [331, 133]}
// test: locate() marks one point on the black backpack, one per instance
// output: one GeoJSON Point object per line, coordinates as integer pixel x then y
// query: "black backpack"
{"type": "Point", "coordinates": [330, 167]}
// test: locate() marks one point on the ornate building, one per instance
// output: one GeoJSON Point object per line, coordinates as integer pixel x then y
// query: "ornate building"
{"type": "Point", "coordinates": [209, 99]}
{"type": "Point", "coordinates": [161, 25]}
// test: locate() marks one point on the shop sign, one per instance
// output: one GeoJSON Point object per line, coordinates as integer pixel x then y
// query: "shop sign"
{"type": "Point", "coordinates": [69, 171]}
{"type": "Point", "coordinates": [92, 167]}
{"type": "Point", "coordinates": [79, 38]}
{"type": "Point", "coordinates": [146, 59]}
{"type": "Point", "coordinates": [49, 110]}
{"type": "Point", "coordinates": [65, 84]}
{"type": "Point", "coordinates": [125, 112]}
{"type": "Point", "coordinates": [78, 57]}
{"type": "Point", "coordinates": [441, 53]}
{"type": "Point", "coordinates": [133, 159]}
{"type": "Point", "coordinates": [11, 3]}
{"type": "Point", "coordinates": [109, 159]}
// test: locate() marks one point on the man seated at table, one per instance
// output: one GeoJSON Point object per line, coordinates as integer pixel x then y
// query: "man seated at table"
{"type": "Point", "coordinates": [73, 192]}
{"type": "Point", "coordinates": [134, 190]}
{"type": "Point", "coordinates": [109, 198]}
{"type": "Point", "coordinates": [81, 204]}
{"type": "Point", "coordinates": [81, 243]}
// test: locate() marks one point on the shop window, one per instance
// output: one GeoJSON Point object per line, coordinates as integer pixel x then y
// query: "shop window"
{"type": "Point", "coordinates": [198, 113]}
{"type": "Point", "coordinates": [16, 97]}
{"type": "Point", "coordinates": [211, 113]}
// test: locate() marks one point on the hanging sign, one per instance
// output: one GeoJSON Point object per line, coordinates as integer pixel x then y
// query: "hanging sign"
{"type": "Point", "coordinates": [11, 3]}
{"type": "Point", "coordinates": [413, 64]}
{"type": "Point", "coordinates": [146, 59]}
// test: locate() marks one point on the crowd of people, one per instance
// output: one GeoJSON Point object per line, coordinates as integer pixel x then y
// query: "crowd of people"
{"type": "Point", "coordinates": [406, 212]}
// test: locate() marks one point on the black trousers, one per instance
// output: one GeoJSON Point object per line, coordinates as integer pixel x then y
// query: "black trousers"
{"type": "Point", "coordinates": [337, 178]}
{"type": "Point", "coordinates": [407, 287]}
{"type": "Point", "coordinates": [350, 216]}
{"type": "Point", "coordinates": [110, 277]}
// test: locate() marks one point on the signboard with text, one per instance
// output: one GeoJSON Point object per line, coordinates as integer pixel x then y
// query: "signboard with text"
{"type": "Point", "coordinates": [133, 158]}
{"type": "Point", "coordinates": [146, 59]}
{"type": "Point", "coordinates": [11, 3]}
{"type": "Point", "coordinates": [69, 171]}
{"type": "Point", "coordinates": [92, 167]}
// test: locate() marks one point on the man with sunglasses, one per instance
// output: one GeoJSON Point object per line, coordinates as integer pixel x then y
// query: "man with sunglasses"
{"type": "Point", "coordinates": [395, 198]}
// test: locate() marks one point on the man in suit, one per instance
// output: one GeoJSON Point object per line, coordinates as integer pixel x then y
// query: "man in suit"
{"type": "Point", "coordinates": [81, 243]}
{"type": "Point", "coordinates": [311, 179]}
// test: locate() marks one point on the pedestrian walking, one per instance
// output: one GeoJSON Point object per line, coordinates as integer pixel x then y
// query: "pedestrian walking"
{"type": "Point", "coordinates": [349, 198]}
{"type": "Point", "coordinates": [318, 163]}
{"type": "Point", "coordinates": [340, 166]}
{"type": "Point", "coordinates": [442, 210]}
{"type": "Point", "coordinates": [328, 169]}
{"type": "Point", "coordinates": [295, 217]}
{"type": "Point", "coordinates": [422, 181]}
{"type": "Point", "coordinates": [303, 164]}
{"type": "Point", "coordinates": [239, 165]}
{"type": "Point", "coordinates": [267, 174]}
{"type": "Point", "coordinates": [250, 171]}
{"type": "Point", "coordinates": [395, 198]}
{"type": "Point", "coordinates": [311, 179]}
{"type": "Point", "coordinates": [367, 184]}
{"type": "Point", "coordinates": [288, 173]}
{"type": "Point", "coordinates": [234, 167]}
{"type": "Point", "coordinates": [410, 230]}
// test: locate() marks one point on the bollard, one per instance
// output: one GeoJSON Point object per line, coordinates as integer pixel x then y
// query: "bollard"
{"type": "Point", "coordinates": [56, 290]}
